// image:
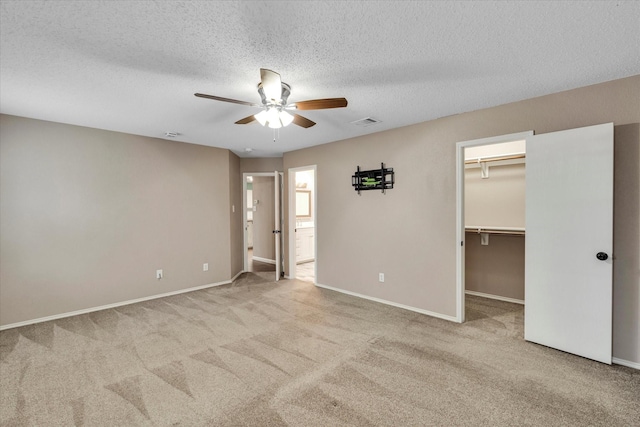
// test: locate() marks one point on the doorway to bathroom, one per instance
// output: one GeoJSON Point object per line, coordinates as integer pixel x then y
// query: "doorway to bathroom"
{"type": "Point", "coordinates": [303, 222]}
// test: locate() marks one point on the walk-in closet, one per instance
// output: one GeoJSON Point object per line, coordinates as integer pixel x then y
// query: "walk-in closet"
{"type": "Point", "coordinates": [494, 217]}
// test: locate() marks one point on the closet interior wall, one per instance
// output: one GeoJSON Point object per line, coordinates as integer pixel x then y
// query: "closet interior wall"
{"type": "Point", "coordinates": [495, 205]}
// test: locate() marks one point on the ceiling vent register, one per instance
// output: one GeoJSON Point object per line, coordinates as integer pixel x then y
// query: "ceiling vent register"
{"type": "Point", "coordinates": [367, 121]}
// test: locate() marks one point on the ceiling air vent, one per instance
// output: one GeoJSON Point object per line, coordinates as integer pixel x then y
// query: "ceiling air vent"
{"type": "Point", "coordinates": [367, 121]}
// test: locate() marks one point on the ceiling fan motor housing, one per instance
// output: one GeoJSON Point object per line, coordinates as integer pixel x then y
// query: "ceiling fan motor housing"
{"type": "Point", "coordinates": [286, 91]}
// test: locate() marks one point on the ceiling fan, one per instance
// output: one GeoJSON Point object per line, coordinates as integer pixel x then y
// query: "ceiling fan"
{"type": "Point", "coordinates": [274, 93]}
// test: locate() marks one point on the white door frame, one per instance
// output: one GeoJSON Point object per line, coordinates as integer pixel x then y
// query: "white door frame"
{"type": "Point", "coordinates": [460, 233]}
{"type": "Point", "coordinates": [292, 219]}
{"type": "Point", "coordinates": [278, 203]}
{"type": "Point", "coordinates": [245, 244]}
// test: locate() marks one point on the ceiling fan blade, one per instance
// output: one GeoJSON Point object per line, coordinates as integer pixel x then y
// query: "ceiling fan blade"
{"type": "Point", "coordinates": [302, 121]}
{"type": "Point", "coordinates": [271, 84]}
{"type": "Point", "coordinates": [219, 98]}
{"type": "Point", "coordinates": [321, 104]}
{"type": "Point", "coordinates": [246, 120]}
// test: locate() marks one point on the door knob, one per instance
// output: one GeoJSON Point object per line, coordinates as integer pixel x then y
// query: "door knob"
{"type": "Point", "coordinates": [602, 256]}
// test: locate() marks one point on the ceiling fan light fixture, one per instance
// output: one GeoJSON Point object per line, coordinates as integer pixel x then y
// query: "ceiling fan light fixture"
{"type": "Point", "coordinates": [285, 118]}
{"type": "Point", "coordinates": [261, 117]}
{"type": "Point", "coordinates": [273, 118]}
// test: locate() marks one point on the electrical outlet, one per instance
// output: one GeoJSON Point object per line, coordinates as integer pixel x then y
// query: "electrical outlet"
{"type": "Point", "coordinates": [205, 266]}
{"type": "Point", "coordinates": [381, 277]}
{"type": "Point", "coordinates": [158, 274]}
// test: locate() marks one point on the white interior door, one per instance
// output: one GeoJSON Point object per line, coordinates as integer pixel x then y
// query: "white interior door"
{"type": "Point", "coordinates": [277, 228]}
{"type": "Point", "coordinates": [569, 223]}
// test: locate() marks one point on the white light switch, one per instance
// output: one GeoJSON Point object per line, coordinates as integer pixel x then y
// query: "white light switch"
{"type": "Point", "coordinates": [205, 266]}
{"type": "Point", "coordinates": [381, 277]}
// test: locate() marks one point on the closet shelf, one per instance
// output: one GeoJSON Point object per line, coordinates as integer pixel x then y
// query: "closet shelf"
{"type": "Point", "coordinates": [511, 231]}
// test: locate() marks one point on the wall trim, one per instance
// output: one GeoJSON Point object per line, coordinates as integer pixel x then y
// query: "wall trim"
{"type": "Point", "coordinates": [265, 260]}
{"type": "Point", "coordinates": [117, 304]}
{"type": "Point", "coordinates": [496, 297]}
{"type": "Point", "coordinates": [391, 303]}
{"type": "Point", "coordinates": [626, 363]}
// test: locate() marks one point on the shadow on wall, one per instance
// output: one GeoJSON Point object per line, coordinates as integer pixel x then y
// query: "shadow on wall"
{"type": "Point", "coordinates": [626, 243]}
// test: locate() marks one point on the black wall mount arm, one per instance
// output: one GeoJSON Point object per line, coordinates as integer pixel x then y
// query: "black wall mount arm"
{"type": "Point", "coordinates": [375, 179]}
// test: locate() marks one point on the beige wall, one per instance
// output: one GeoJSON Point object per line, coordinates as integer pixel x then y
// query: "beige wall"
{"type": "Point", "coordinates": [626, 240]}
{"type": "Point", "coordinates": [497, 201]}
{"type": "Point", "coordinates": [410, 233]}
{"type": "Point", "coordinates": [87, 216]}
{"type": "Point", "coordinates": [495, 269]}
{"type": "Point", "coordinates": [264, 218]}
{"type": "Point", "coordinates": [262, 164]}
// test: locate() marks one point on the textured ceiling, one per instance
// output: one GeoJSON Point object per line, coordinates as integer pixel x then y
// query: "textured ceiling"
{"type": "Point", "coordinates": [134, 66]}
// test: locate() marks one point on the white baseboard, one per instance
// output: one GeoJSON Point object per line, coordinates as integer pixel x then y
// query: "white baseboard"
{"type": "Point", "coordinates": [626, 363]}
{"type": "Point", "coordinates": [265, 260]}
{"type": "Point", "coordinates": [394, 304]}
{"type": "Point", "coordinates": [496, 297]}
{"type": "Point", "coordinates": [117, 304]}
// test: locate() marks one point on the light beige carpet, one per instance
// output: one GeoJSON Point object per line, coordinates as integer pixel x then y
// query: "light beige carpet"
{"type": "Point", "coordinates": [257, 353]}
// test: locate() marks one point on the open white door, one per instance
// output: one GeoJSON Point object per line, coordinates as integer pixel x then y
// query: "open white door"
{"type": "Point", "coordinates": [277, 225]}
{"type": "Point", "coordinates": [569, 243]}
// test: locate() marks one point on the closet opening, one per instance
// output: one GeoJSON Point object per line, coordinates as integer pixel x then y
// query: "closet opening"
{"type": "Point", "coordinates": [491, 219]}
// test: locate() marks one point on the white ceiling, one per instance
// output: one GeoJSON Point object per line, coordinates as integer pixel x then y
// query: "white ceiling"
{"type": "Point", "coordinates": [134, 66]}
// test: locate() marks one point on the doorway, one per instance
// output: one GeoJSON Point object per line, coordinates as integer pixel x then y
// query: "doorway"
{"type": "Point", "coordinates": [494, 216]}
{"type": "Point", "coordinates": [303, 223]}
{"type": "Point", "coordinates": [261, 216]}
{"type": "Point", "coordinates": [488, 224]}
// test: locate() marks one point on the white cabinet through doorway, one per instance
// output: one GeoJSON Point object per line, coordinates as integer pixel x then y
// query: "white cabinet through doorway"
{"type": "Point", "coordinates": [305, 245]}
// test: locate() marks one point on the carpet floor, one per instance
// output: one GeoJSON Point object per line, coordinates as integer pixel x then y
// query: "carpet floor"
{"type": "Point", "coordinates": [259, 353]}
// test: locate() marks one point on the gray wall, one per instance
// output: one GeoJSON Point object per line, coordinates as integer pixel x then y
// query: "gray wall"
{"type": "Point", "coordinates": [410, 233]}
{"type": "Point", "coordinates": [496, 269]}
{"type": "Point", "coordinates": [498, 201]}
{"type": "Point", "coordinates": [87, 216]}
{"type": "Point", "coordinates": [261, 164]}
{"type": "Point", "coordinates": [264, 218]}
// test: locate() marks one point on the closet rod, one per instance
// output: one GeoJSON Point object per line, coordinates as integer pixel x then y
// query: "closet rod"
{"type": "Point", "coordinates": [494, 159]}
{"type": "Point", "coordinates": [505, 231]}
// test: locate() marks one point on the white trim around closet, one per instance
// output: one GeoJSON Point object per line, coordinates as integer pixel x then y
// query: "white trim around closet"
{"type": "Point", "coordinates": [460, 225]}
